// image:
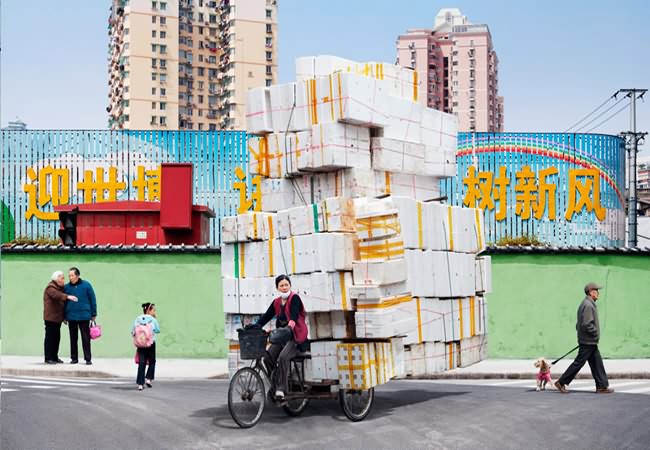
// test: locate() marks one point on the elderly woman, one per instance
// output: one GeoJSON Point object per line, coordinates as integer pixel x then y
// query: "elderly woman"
{"type": "Point", "coordinates": [53, 313]}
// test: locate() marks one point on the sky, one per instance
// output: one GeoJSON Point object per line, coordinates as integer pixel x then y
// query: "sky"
{"type": "Point", "coordinates": [558, 60]}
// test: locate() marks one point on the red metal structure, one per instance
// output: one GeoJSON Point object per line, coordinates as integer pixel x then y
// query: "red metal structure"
{"type": "Point", "coordinates": [173, 220]}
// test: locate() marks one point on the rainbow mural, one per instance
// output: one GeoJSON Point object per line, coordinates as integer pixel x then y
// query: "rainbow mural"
{"type": "Point", "coordinates": [562, 188]}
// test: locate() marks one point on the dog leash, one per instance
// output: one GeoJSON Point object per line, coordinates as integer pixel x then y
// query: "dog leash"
{"type": "Point", "coordinates": [562, 357]}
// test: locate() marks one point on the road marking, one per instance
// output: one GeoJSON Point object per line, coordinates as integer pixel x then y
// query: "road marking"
{"type": "Point", "coordinates": [57, 383]}
{"type": "Point", "coordinates": [39, 386]}
{"type": "Point", "coordinates": [7, 390]}
{"type": "Point", "coordinates": [616, 386]}
{"type": "Point", "coordinates": [74, 380]}
{"type": "Point", "coordinates": [511, 383]}
{"type": "Point", "coordinates": [636, 391]}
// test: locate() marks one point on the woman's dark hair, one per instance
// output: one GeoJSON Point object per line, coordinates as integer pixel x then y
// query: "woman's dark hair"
{"type": "Point", "coordinates": [147, 306]}
{"type": "Point", "coordinates": [280, 278]}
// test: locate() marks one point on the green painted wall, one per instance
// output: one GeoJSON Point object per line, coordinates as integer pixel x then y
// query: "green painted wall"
{"type": "Point", "coordinates": [532, 310]}
{"type": "Point", "coordinates": [186, 288]}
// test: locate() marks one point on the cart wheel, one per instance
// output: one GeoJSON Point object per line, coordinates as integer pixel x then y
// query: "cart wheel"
{"type": "Point", "coordinates": [295, 407]}
{"type": "Point", "coordinates": [356, 404]}
{"type": "Point", "coordinates": [246, 397]}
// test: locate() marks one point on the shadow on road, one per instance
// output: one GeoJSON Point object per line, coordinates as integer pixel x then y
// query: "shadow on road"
{"type": "Point", "coordinates": [386, 403]}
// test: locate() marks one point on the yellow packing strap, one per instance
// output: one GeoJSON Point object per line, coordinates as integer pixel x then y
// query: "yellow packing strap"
{"type": "Point", "coordinates": [419, 307]}
{"type": "Point", "coordinates": [293, 255]}
{"type": "Point", "coordinates": [388, 223]}
{"type": "Point", "coordinates": [479, 232]}
{"type": "Point", "coordinates": [415, 86]}
{"type": "Point", "coordinates": [451, 228]}
{"type": "Point", "coordinates": [270, 222]}
{"type": "Point", "coordinates": [451, 355]}
{"type": "Point", "coordinates": [242, 258]}
{"type": "Point", "coordinates": [387, 302]}
{"type": "Point", "coordinates": [254, 226]}
{"type": "Point", "coordinates": [460, 315]}
{"type": "Point", "coordinates": [472, 318]}
{"type": "Point", "coordinates": [381, 249]}
{"type": "Point", "coordinates": [344, 294]}
{"type": "Point", "coordinates": [420, 237]}
{"type": "Point", "coordinates": [271, 268]}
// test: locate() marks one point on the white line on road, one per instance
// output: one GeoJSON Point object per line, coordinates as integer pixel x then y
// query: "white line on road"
{"type": "Point", "coordinates": [39, 386]}
{"type": "Point", "coordinates": [75, 380]}
{"type": "Point", "coordinates": [511, 383]}
{"type": "Point", "coordinates": [636, 391]}
{"type": "Point", "coordinates": [57, 383]}
{"type": "Point", "coordinates": [7, 390]}
{"type": "Point", "coordinates": [617, 386]}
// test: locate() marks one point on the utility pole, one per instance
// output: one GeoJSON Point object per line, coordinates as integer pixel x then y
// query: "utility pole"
{"type": "Point", "coordinates": [632, 140]}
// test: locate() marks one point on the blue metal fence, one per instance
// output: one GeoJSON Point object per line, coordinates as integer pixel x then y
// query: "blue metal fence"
{"type": "Point", "coordinates": [43, 168]}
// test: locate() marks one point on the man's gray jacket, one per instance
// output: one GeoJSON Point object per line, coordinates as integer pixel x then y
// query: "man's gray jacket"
{"type": "Point", "coordinates": [588, 327]}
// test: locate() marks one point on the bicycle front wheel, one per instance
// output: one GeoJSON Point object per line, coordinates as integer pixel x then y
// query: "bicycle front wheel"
{"type": "Point", "coordinates": [356, 404]}
{"type": "Point", "coordinates": [246, 397]}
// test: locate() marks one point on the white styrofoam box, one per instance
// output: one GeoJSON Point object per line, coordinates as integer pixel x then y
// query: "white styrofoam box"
{"type": "Point", "coordinates": [254, 226]}
{"type": "Point", "coordinates": [380, 225]}
{"type": "Point", "coordinates": [356, 365]}
{"type": "Point", "coordinates": [472, 350]}
{"type": "Point", "coordinates": [324, 364]}
{"type": "Point", "coordinates": [411, 219]}
{"type": "Point", "coordinates": [431, 127]}
{"type": "Point", "coordinates": [235, 258]}
{"type": "Point", "coordinates": [343, 324]}
{"type": "Point", "coordinates": [365, 206]}
{"type": "Point", "coordinates": [306, 219]}
{"type": "Point", "coordinates": [415, 360]}
{"type": "Point", "coordinates": [339, 214]}
{"type": "Point", "coordinates": [438, 235]}
{"type": "Point", "coordinates": [320, 325]}
{"type": "Point", "coordinates": [278, 194]}
{"type": "Point", "coordinates": [258, 111]}
{"type": "Point", "coordinates": [229, 229]}
{"type": "Point", "coordinates": [449, 138]}
{"type": "Point", "coordinates": [398, 355]}
{"type": "Point", "coordinates": [373, 291]}
{"type": "Point", "coordinates": [394, 155]}
{"type": "Point", "coordinates": [256, 294]}
{"type": "Point", "coordinates": [283, 112]}
{"type": "Point", "coordinates": [440, 274]}
{"type": "Point", "coordinates": [404, 122]}
{"type": "Point", "coordinates": [482, 315]}
{"type": "Point", "coordinates": [336, 146]}
{"type": "Point", "coordinates": [299, 152]}
{"type": "Point", "coordinates": [334, 251]}
{"type": "Point", "coordinates": [295, 255]}
{"type": "Point", "coordinates": [438, 162]}
{"type": "Point", "coordinates": [228, 260]}
{"type": "Point", "coordinates": [435, 357]}
{"type": "Point", "coordinates": [419, 187]}
{"type": "Point", "coordinates": [483, 267]}
{"type": "Point", "coordinates": [235, 321]}
{"type": "Point", "coordinates": [385, 317]}
{"type": "Point", "coordinates": [318, 66]}
{"type": "Point", "coordinates": [341, 97]}
{"type": "Point", "coordinates": [430, 323]}
{"type": "Point", "coordinates": [230, 289]}
{"type": "Point", "coordinates": [325, 291]}
{"type": "Point", "coordinates": [381, 249]}
{"type": "Point", "coordinates": [278, 156]}
{"type": "Point", "coordinates": [258, 157]}
{"type": "Point", "coordinates": [283, 227]}
{"type": "Point", "coordinates": [351, 183]}
{"type": "Point", "coordinates": [379, 273]}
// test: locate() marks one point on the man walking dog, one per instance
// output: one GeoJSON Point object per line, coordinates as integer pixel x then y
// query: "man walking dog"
{"type": "Point", "coordinates": [588, 335]}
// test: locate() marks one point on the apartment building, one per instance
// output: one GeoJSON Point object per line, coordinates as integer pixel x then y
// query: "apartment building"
{"type": "Point", "coordinates": [459, 66]}
{"type": "Point", "coordinates": [187, 64]}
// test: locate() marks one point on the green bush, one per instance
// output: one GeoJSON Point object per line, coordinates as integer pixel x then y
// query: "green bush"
{"type": "Point", "coordinates": [519, 240]}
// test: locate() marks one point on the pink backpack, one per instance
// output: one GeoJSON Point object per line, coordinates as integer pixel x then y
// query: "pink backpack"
{"type": "Point", "coordinates": [143, 335]}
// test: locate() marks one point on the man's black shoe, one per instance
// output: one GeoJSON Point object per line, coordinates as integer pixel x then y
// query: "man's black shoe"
{"type": "Point", "coordinates": [89, 363]}
{"type": "Point", "coordinates": [59, 361]}
{"type": "Point", "coordinates": [74, 361]}
{"type": "Point", "coordinates": [49, 361]}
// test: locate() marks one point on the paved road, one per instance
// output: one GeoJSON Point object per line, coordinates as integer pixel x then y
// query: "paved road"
{"type": "Point", "coordinates": [620, 386]}
{"type": "Point", "coordinates": [406, 414]}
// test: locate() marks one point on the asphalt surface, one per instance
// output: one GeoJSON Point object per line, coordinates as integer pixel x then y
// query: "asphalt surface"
{"type": "Point", "coordinates": [112, 414]}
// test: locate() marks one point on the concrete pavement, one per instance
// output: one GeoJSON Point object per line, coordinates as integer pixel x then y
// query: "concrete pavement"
{"type": "Point", "coordinates": [218, 368]}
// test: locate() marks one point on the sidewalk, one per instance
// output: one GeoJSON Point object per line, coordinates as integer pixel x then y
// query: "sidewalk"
{"type": "Point", "coordinates": [218, 368]}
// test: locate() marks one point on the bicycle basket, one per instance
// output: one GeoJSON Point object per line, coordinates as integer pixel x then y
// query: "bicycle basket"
{"type": "Point", "coordinates": [252, 343]}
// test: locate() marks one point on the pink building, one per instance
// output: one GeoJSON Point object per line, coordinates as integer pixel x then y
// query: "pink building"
{"type": "Point", "coordinates": [460, 68]}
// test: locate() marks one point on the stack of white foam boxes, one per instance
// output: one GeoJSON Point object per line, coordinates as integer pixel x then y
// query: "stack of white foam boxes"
{"type": "Point", "coordinates": [327, 146]}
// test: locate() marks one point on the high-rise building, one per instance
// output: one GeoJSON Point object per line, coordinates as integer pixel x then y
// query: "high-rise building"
{"type": "Point", "coordinates": [16, 125]}
{"type": "Point", "coordinates": [459, 66]}
{"type": "Point", "coordinates": [187, 64]}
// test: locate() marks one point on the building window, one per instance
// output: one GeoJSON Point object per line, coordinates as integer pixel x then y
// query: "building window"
{"type": "Point", "coordinates": [163, 120]}
{"type": "Point", "coordinates": [163, 49]}
{"type": "Point", "coordinates": [126, 31]}
{"type": "Point", "coordinates": [153, 91]}
{"type": "Point", "coordinates": [213, 127]}
{"type": "Point", "coordinates": [153, 76]}
{"type": "Point", "coordinates": [153, 105]}
{"type": "Point", "coordinates": [200, 99]}
{"type": "Point", "coordinates": [269, 29]}
{"type": "Point", "coordinates": [163, 77]}
{"type": "Point", "coordinates": [163, 20]}
{"type": "Point", "coordinates": [163, 34]}
{"type": "Point", "coordinates": [153, 33]}
{"type": "Point", "coordinates": [269, 41]}
{"type": "Point", "coordinates": [163, 105]}
{"type": "Point", "coordinates": [153, 47]}
{"type": "Point", "coordinates": [163, 6]}
{"type": "Point", "coordinates": [163, 63]}
{"type": "Point", "coordinates": [153, 62]}
{"type": "Point", "coordinates": [269, 70]}
{"type": "Point", "coordinates": [201, 30]}
{"type": "Point", "coordinates": [163, 92]}
{"type": "Point", "coordinates": [269, 13]}
{"type": "Point", "coordinates": [200, 126]}
{"type": "Point", "coordinates": [154, 5]}
{"type": "Point", "coordinates": [269, 56]}
{"type": "Point", "coordinates": [153, 120]}
{"type": "Point", "coordinates": [269, 82]}
{"type": "Point", "coordinates": [153, 19]}
{"type": "Point", "coordinates": [201, 71]}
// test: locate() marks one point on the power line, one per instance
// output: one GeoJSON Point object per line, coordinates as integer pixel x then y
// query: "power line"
{"type": "Point", "coordinates": [608, 118]}
{"type": "Point", "coordinates": [588, 115]}
{"type": "Point", "coordinates": [585, 125]}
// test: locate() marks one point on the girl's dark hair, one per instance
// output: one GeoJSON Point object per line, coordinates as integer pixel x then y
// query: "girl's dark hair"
{"type": "Point", "coordinates": [147, 306]}
{"type": "Point", "coordinates": [280, 278]}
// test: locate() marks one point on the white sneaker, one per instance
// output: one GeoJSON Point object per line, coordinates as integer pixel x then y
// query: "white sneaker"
{"type": "Point", "coordinates": [279, 395]}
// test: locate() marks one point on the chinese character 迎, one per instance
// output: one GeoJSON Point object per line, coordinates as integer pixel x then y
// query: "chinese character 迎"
{"type": "Point", "coordinates": [52, 186]}
{"type": "Point", "coordinates": [245, 203]}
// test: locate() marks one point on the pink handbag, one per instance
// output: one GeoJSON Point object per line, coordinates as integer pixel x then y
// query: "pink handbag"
{"type": "Point", "coordinates": [95, 330]}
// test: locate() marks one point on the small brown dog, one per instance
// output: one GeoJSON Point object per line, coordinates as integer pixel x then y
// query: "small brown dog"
{"type": "Point", "coordinates": [544, 375]}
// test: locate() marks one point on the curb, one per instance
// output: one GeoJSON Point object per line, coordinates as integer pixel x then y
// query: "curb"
{"type": "Point", "coordinates": [522, 376]}
{"type": "Point", "coordinates": [58, 373]}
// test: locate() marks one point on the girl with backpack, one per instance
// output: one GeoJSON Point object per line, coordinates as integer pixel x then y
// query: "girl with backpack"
{"type": "Point", "coordinates": [143, 331]}
{"type": "Point", "coordinates": [292, 332]}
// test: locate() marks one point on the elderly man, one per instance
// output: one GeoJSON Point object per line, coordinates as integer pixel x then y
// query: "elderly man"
{"type": "Point", "coordinates": [588, 329]}
{"type": "Point", "coordinates": [80, 314]}
{"type": "Point", "coordinates": [54, 299]}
